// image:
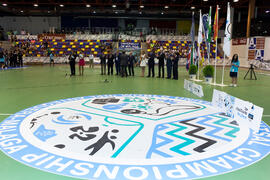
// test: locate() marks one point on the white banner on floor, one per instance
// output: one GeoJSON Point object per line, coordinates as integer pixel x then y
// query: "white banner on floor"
{"type": "Point", "coordinates": [193, 88]}
{"type": "Point", "coordinates": [238, 109]}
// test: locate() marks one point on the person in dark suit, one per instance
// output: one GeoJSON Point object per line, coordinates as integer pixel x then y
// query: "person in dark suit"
{"type": "Point", "coordinates": [151, 64]}
{"type": "Point", "coordinates": [131, 60]}
{"type": "Point", "coordinates": [117, 63]}
{"type": "Point", "coordinates": [161, 58]}
{"type": "Point", "coordinates": [103, 63]}
{"type": "Point", "coordinates": [20, 58]}
{"type": "Point", "coordinates": [175, 66]}
{"type": "Point", "coordinates": [168, 58]}
{"type": "Point", "coordinates": [72, 61]}
{"type": "Point", "coordinates": [123, 64]}
{"type": "Point", "coordinates": [110, 63]}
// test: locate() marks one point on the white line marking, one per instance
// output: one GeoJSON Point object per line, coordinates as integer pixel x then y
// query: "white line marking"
{"type": "Point", "coordinates": [5, 114]}
{"type": "Point", "coordinates": [266, 115]}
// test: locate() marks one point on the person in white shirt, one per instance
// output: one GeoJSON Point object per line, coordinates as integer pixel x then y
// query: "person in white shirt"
{"type": "Point", "coordinates": [143, 61]}
{"type": "Point", "coordinates": [91, 61]}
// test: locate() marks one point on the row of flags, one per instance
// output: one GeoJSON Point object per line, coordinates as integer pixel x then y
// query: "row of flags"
{"type": "Point", "coordinates": [205, 34]}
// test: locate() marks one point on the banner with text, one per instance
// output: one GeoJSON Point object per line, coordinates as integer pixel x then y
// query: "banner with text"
{"type": "Point", "coordinates": [238, 109]}
{"type": "Point", "coordinates": [129, 46]}
{"type": "Point", "coordinates": [52, 36]}
{"type": "Point", "coordinates": [193, 88]}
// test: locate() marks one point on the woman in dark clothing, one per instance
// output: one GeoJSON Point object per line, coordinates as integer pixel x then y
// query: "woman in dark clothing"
{"type": "Point", "coordinates": [175, 66]}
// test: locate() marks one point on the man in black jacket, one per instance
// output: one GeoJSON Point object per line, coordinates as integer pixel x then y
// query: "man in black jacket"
{"type": "Point", "coordinates": [20, 58]}
{"type": "Point", "coordinates": [103, 63]}
{"type": "Point", "coordinates": [117, 63]}
{"type": "Point", "coordinates": [151, 64]}
{"type": "Point", "coordinates": [175, 66]}
{"type": "Point", "coordinates": [131, 60]}
{"type": "Point", "coordinates": [72, 61]}
{"type": "Point", "coordinates": [123, 64]}
{"type": "Point", "coordinates": [110, 63]}
{"type": "Point", "coordinates": [161, 58]}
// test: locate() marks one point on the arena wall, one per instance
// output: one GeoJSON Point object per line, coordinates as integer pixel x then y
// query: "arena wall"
{"type": "Point", "coordinates": [32, 24]}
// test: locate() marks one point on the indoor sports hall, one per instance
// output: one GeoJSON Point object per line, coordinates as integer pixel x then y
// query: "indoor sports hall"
{"type": "Point", "coordinates": [134, 89]}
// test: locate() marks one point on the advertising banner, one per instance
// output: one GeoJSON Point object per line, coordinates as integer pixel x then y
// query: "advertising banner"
{"type": "Point", "coordinates": [129, 46]}
{"type": "Point", "coordinates": [256, 48]}
{"type": "Point", "coordinates": [239, 41]}
{"type": "Point", "coordinates": [238, 109]}
{"type": "Point", "coordinates": [193, 88]}
{"type": "Point", "coordinates": [52, 36]}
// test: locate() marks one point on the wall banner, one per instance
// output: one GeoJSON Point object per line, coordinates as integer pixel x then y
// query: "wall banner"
{"type": "Point", "coordinates": [129, 46]}
{"type": "Point", "coordinates": [256, 48]}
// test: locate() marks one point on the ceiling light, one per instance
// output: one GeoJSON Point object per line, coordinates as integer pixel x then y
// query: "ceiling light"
{"type": "Point", "coordinates": [205, 0]}
{"type": "Point", "coordinates": [162, 13]}
{"type": "Point", "coordinates": [61, 5]}
{"type": "Point", "coordinates": [21, 11]}
{"type": "Point", "coordinates": [94, 12]}
{"type": "Point", "coordinates": [88, 5]}
{"type": "Point", "coordinates": [4, 4]}
{"type": "Point", "coordinates": [235, 0]}
{"type": "Point", "coordinates": [114, 6]}
{"type": "Point", "coordinates": [141, 6]}
{"type": "Point", "coordinates": [166, 7]}
{"type": "Point", "coordinates": [49, 11]}
{"type": "Point", "coordinates": [116, 12]}
{"type": "Point", "coordinates": [267, 11]}
{"type": "Point", "coordinates": [140, 12]}
{"type": "Point", "coordinates": [36, 5]}
{"type": "Point", "coordinates": [192, 7]}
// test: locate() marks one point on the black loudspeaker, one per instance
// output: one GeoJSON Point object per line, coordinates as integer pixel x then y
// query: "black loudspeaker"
{"type": "Point", "coordinates": [219, 40]}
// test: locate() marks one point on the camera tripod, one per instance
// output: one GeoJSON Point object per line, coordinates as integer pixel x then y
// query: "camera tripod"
{"type": "Point", "coordinates": [251, 72]}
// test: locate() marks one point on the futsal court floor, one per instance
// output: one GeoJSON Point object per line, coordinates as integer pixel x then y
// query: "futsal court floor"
{"type": "Point", "coordinates": [24, 88]}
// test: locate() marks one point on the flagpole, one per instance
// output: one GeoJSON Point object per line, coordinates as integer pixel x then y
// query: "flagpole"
{"type": "Point", "coordinates": [215, 77]}
{"type": "Point", "coordinates": [198, 71]}
{"type": "Point", "coordinates": [209, 34]}
{"type": "Point", "coordinates": [199, 46]}
{"type": "Point", "coordinates": [223, 68]}
{"type": "Point", "coordinates": [225, 47]}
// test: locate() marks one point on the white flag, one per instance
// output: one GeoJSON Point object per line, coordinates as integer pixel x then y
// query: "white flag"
{"type": "Point", "coordinates": [228, 35]}
{"type": "Point", "coordinates": [200, 35]}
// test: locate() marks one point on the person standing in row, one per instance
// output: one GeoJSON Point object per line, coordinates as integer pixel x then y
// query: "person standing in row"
{"type": "Point", "coordinates": [103, 63]}
{"type": "Point", "coordinates": [117, 63]}
{"type": "Point", "coordinates": [131, 60]}
{"type": "Point", "coordinates": [151, 64]}
{"type": "Point", "coordinates": [123, 64]}
{"type": "Point", "coordinates": [169, 65]}
{"type": "Point", "coordinates": [110, 64]}
{"type": "Point", "coordinates": [143, 62]}
{"type": "Point", "coordinates": [20, 58]}
{"type": "Point", "coordinates": [175, 66]}
{"type": "Point", "coordinates": [91, 60]}
{"type": "Point", "coordinates": [14, 58]}
{"type": "Point", "coordinates": [72, 61]}
{"type": "Point", "coordinates": [161, 58]}
{"type": "Point", "coordinates": [2, 60]}
{"type": "Point", "coordinates": [81, 65]}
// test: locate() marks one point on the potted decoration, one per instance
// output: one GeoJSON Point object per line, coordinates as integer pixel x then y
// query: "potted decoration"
{"type": "Point", "coordinates": [192, 72]}
{"type": "Point", "coordinates": [208, 72]}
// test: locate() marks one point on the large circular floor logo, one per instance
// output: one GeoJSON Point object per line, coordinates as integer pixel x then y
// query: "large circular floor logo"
{"type": "Point", "coordinates": [131, 137]}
